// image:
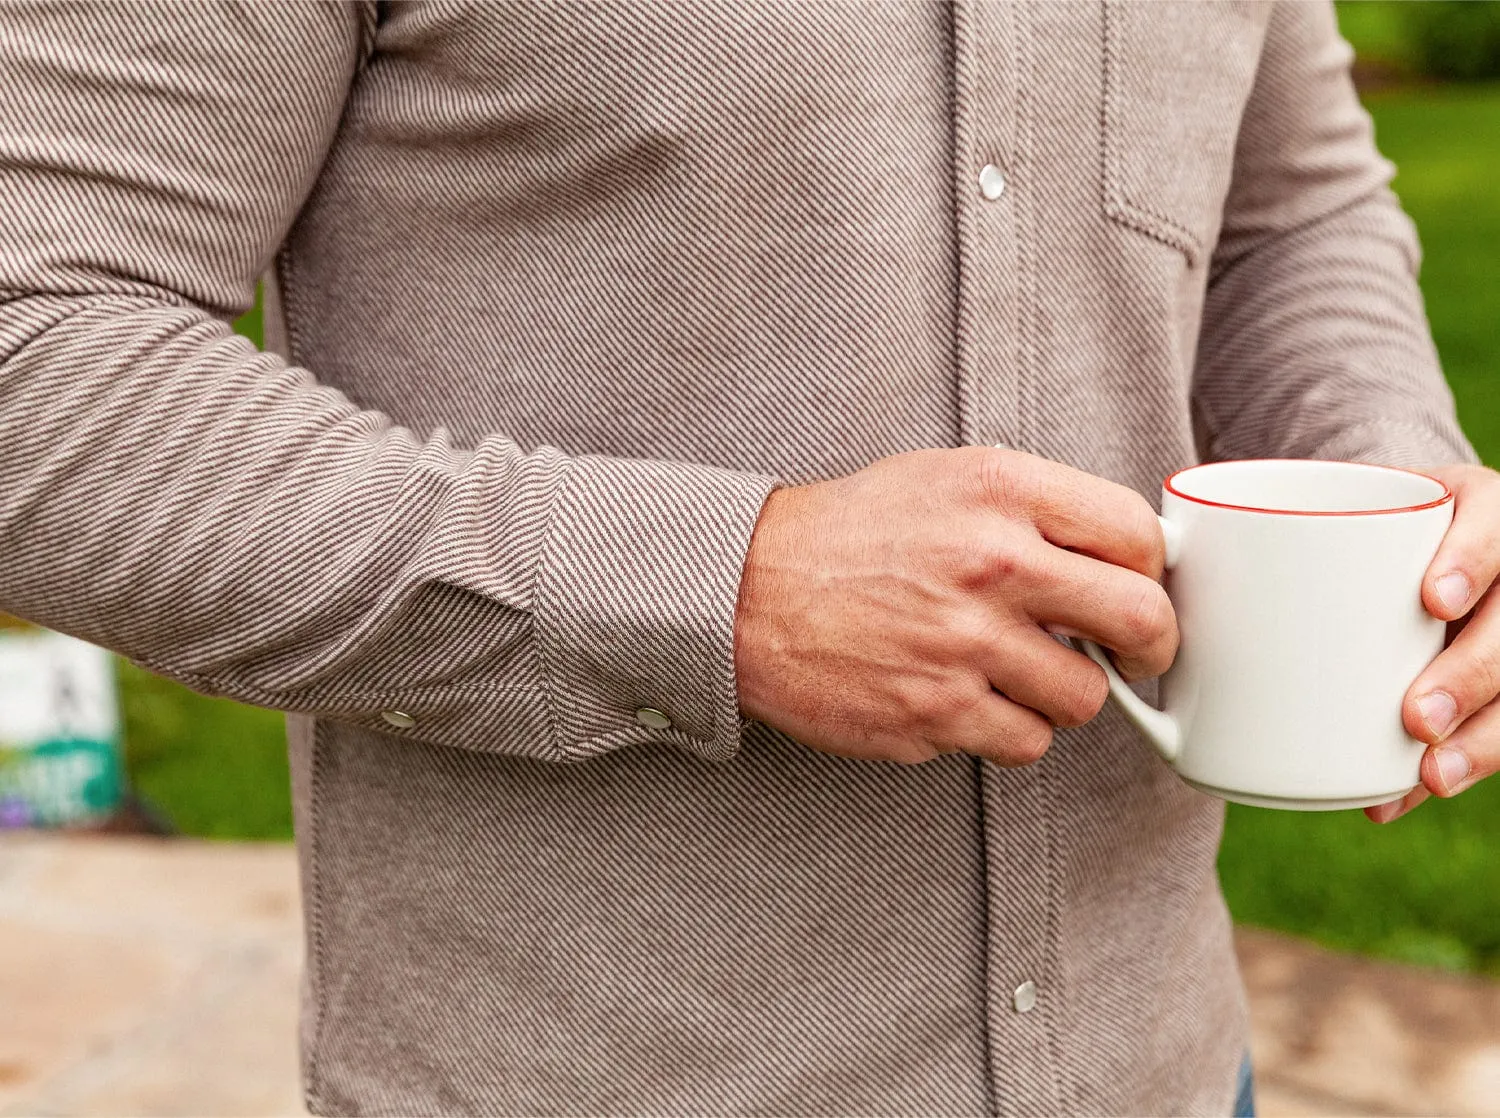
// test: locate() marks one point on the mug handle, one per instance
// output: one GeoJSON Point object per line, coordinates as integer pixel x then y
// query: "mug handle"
{"type": "Point", "coordinates": [1160, 728]}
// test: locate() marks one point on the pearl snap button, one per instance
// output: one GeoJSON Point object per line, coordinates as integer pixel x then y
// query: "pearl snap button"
{"type": "Point", "coordinates": [1024, 999]}
{"type": "Point", "coordinates": [991, 181]}
{"type": "Point", "coordinates": [399, 718]}
{"type": "Point", "coordinates": [653, 719]}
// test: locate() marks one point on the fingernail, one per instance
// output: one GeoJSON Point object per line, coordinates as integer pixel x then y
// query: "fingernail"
{"type": "Point", "coordinates": [1453, 591]}
{"type": "Point", "coordinates": [1439, 711]}
{"type": "Point", "coordinates": [1384, 813]}
{"type": "Point", "coordinates": [1453, 769]}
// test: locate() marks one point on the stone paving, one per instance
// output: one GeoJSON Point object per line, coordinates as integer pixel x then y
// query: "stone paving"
{"type": "Point", "coordinates": [148, 976]}
{"type": "Point", "coordinates": [156, 977]}
{"type": "Point", "coordinates": [1336, 1035]}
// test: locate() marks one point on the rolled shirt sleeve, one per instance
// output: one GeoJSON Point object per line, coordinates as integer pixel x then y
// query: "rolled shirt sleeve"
{"type": "Point", "coordinates": [221, 517]}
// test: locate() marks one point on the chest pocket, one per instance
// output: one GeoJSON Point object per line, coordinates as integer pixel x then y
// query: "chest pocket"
{"type": "Point", "coordinates": [1176, 79]}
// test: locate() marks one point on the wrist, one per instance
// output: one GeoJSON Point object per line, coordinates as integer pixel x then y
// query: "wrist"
{"type": "Point", "coordinates": [757, 619]}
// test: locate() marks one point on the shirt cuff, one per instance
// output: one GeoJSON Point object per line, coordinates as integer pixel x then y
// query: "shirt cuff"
{"type": "Point", "coordinates": [635, 604]}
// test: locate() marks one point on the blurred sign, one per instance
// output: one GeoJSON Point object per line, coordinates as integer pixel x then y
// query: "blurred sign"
{"type": "Point", "coordinates": [60, 758]}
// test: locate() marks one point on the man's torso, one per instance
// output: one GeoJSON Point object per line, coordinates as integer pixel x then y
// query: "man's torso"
{"type": "Point", "coordinates": [752, 236]}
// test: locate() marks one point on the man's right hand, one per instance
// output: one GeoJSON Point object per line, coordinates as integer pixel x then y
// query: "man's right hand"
{"type": "Point", "coordinates": [903, 612]}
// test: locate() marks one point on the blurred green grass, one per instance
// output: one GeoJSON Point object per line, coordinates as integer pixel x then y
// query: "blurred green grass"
{"type": "Point", "coordinates": [1379, 32]}
{"type": "Point", "coordinates": [213, 768]}
{"type": "Point", "coordinates": [1425, 889]}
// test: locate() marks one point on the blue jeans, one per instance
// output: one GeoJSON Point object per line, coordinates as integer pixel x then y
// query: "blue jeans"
{"type": "Point", "coordinates": [1244, 1095]}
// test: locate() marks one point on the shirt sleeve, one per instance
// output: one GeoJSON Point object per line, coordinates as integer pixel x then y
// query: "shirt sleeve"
{"type": "Point", "coordinates": [1315, 343]}
{"type": "Point", "coordinates": [219, 516]}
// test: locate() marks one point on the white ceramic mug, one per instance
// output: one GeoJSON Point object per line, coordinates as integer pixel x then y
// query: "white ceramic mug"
{"type": "Point", "coordinates": [1297, 587]}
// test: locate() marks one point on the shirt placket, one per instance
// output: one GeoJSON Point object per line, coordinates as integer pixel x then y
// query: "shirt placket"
{"type": "Point", "coordinates": [995, 355]}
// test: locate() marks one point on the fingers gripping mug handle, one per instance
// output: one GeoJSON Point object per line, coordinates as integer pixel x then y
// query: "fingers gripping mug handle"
{"type": "Point", "coordinates": [1158, 726]}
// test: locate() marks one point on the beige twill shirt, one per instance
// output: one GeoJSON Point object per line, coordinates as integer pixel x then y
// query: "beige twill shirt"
{"type": "Point", "coordinates": [560, 292]}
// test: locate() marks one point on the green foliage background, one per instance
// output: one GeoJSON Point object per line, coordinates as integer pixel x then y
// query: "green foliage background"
{"type": "Point", "coordinates": [1445, 40]}
{"type": "Point", "coordinates": [1425, 889]}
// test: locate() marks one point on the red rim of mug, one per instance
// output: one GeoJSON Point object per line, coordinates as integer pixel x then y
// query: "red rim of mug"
{"type": "Point", "coordinates": [1432, 504]}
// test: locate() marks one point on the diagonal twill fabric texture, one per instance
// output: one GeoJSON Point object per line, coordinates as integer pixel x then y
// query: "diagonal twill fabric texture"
{"type": "Point", "coordinates": [557, 294]}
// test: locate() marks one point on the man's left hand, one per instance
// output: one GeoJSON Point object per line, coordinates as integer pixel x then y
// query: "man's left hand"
{"type": "Point", "coordinates": [1451, 707]}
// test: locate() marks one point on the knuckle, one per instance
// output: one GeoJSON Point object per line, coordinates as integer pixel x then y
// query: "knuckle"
{"type": "Point", "coordinates": [916, 702]}
{"type": "Point", "coordinates": [1007, 559]}
{"type": "Point", "coordinates": [1482, 681]}
{"type": "Point", "coordinates": [958, 706]}
{"type": "Point", "coordinates": [1147, 534]}
{"type": "Point", "coordinates": [1150, 619]}
{"type": "Point", "coordinates": [976, 634]}
{"type": "Point", "coordinates": [913, 753]}
{"type": "Point", "coordinates": [879, 740]}
{"type": "Point", "coordinates": [1002, 557]}
{"type": "Point", "coordinates": [1003, 478]}
{"type": "Point", "coordinates": [1086, 698]}
{"type": "Point", "coordinates": [931, 706]}
{"type": "Point", "coordinates": [1030, 742]}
